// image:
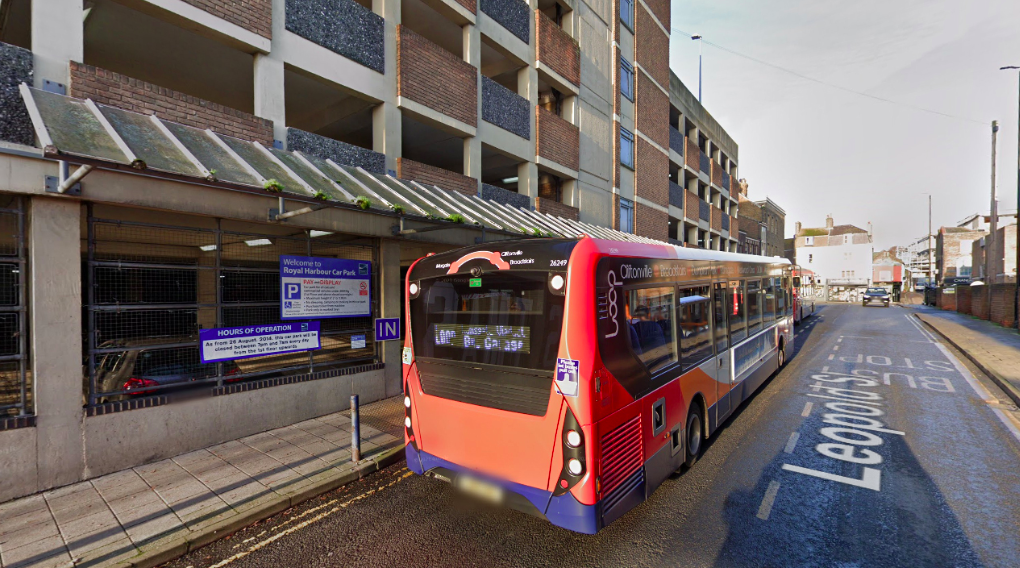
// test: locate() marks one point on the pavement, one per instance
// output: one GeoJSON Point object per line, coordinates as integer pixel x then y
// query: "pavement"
{"type": "Point", "coordinates": [992, 348]}
{"type": "Point", "coordinates": [929, 475]}
{"type": "Point", "coordinates": [153, 513]}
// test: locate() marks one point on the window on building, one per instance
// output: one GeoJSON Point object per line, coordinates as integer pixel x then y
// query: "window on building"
{"type": "Point", "coordinates": [627, 13]}
{"type": "Point", "coordinates": [627, 79]}
{"type": "Point", "coordinates": [810, 258]}
{"type": "Point", "coordinates": [626, 215]}
{"type": "Point", "coordinates": [16, 396]}
{"type": "Point", "coordinates": [651, 326]}
{"type": "Point", "coordinates": [154, 281]}
{"type": "Point", "coordinates": [627, 148]}
{"type": "Point", "coordinates": [809, 241]}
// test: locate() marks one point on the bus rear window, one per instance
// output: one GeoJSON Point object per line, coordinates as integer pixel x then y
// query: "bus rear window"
{"type": "Point", "coordinates": [505, 319]}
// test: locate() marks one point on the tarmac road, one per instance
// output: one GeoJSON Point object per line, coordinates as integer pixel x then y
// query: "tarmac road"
{"type": "Point", "coordinates": [933, 481]}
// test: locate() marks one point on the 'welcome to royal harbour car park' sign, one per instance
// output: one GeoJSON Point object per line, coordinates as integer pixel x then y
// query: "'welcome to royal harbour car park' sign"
{"type": "Point", "coordinates": [318, 288]}
{"type": "Point", "coordinates": [228, 343]}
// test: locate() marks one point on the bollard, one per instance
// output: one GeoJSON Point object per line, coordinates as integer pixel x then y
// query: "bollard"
{"type": "Point", "coordinates": [355, 430]}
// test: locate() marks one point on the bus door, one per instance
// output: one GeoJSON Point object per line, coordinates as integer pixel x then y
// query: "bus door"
{"type": "Point", "coordinates": [721, 330]}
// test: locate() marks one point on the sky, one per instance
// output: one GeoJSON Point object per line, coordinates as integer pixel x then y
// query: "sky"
{"type": "Point", "coordinates": [816, 149]}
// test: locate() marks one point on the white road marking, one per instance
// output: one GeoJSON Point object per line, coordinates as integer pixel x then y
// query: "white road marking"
{"type": "Point", "coordinates": [840, 340]}
{"type": "Point", "coordinates": [835, 347]}
{"type": "Point", "coordinates": [792, 443]}
{"type": "Point", "coordinates": [832, 356]}
{"type": "Point", "coordinates": [807, 409]}
{"type": "Point", "coordinates": [770, 497]}
{"type": "Point", "coordinates": [825, 369]}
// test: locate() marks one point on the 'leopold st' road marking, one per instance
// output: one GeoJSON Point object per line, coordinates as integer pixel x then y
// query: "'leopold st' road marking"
{"type": "Point", "coordinates": [852, 426]}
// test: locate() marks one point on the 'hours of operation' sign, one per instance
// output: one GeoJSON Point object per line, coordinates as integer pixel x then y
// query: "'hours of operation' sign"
{"type": "Point", "coordinates": [316, 288]}
{"type": "Point", "coordinates": [229, 343]}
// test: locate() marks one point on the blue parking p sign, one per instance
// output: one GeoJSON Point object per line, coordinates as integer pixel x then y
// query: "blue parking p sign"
{"type": "Point", "coordinates": [387, 329]}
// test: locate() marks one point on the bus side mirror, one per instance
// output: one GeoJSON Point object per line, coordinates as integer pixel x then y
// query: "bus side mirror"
{"type": "Point", "coordinates": [796, 281]}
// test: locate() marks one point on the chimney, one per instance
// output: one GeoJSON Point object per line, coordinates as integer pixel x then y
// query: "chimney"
{"type": "Point", "coordinates": [869, 228]}
{"type": "Point", "coordinates": [828, 222]}
{"type": "Point", "coordinates": [798, 229]}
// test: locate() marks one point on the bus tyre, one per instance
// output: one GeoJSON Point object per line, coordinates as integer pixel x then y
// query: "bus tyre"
{"type": "Point", "coordinates": [695, 435]}
{"type": "Point", "coordinates": [782, 354]}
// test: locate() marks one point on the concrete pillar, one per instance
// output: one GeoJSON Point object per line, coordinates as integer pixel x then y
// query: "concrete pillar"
{"type": "Point", "coordinates": [57, 38]}
{"type": "Point", "coordinates": [389, 307]}
{"type": "Point", "coordinates": [527, 180]}
{"type": "Point", "coordinates": [386, 125]}
{"type": "Point", "coordinates": [269, 93]}
{"type": "Point", "coordinates": [472, 45]}
{"type": "Point", "coordinates": [54, 247]}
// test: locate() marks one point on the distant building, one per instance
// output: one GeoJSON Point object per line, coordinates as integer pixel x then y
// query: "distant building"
{"type": "Point", "coordinates": [774, 219]}
{"type": "Point", "coordinates": [752, 233]}
{"type": "Point", "coordinates": [954, 253]}
{"type": "Point", "coordinates": [840, 255]}
{"type": "Point", "coordinates": [790, 249]}
{"type": "Point", "coordinates": [919, 257]}
{"type": "Point", "coordinates": [1004, 267]}
{"type": "Point", "coordinates": [889, 271]}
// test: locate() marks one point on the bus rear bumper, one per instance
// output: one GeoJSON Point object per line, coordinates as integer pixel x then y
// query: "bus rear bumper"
{"type": "Point", "coordinates": [562, 510]}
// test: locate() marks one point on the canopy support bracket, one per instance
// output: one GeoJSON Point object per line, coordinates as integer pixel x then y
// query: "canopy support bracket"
{"type": "Point", "coordinates": [65, 184]}
{"type": "Point", "coordinates": [281, 213]}
{"type": "Point", "coordinates": [399, 230]}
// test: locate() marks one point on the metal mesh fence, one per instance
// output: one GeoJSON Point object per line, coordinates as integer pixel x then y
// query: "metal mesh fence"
{"type": "Point", "coordinates": [150, 288]}
{"type": "Point", "coordinates": [15, 383]}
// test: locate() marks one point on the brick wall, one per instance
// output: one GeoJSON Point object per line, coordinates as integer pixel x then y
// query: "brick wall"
{"type": "Point", "coordinates": [429, 75]}
{"type": "Point", "coordinates": [978, 301]}
{"type": "Point", "coordinates": [471, 5]}
{"type": "Point", "coordinates": [734, 225]}
{"type": "Point", "coordinates": [113, 89]}
{"type": "Point", "coordinates": [651, 109]}
{"type": "Point", "coordinates": [1003, 302]}
{"type": "Point", "coordinates": [948, 244]}
{"type": "Point", "coordinates": [651, 223]}
{"type": "Point", "coordinates": [963, 298]}
{"type": "Point", "coordinates": [716, 174]}
{"type": "Point", "coordinates": [661, 10]}
{"type": "Point", "coordinates": [651, 173]}
{"type": "Point", "coordinates": [716, 218]}
{"type": "Point", "coordinates": [691, 206]}
{"type": "Point", "coordinates": [558, 140]}
{"type": "Point", "coordinates": [692, 157]}
{"type": "Point", "coordinates": [256, 16]}
{"type": "Point", "coordinates": [651, 49]}
{"type": "Point", "coordinates": [557, 49]}
{"type": "Point", "coordinates": [556, 209]}
{"type": "Point", "coordinates": [431, 175]}
{"type": "Point", "coordinates": [945, 301]}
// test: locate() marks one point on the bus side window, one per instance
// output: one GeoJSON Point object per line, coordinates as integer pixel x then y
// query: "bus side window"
{"type": "Point", "coordinates": [695, 331]}
{"type": "Point", "coordinates": [754, 305]}
{"type": "Point", "coordinates": [650, 324]}
{"type": "Point", "coordinates": [736, 310]}
{"type": "Point", "coordinates": [769, 300]}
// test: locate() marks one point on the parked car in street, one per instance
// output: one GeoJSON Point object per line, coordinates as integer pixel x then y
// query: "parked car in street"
{"type": "Point", "coordinates": [875, 296]}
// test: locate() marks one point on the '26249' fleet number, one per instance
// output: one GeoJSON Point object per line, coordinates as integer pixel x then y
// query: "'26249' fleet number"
{"type": "Point", "coordinates": [558, 263]}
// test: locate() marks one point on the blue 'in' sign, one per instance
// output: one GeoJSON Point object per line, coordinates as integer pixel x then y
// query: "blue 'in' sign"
{"type": "Point", "coordinates": [387, 329]}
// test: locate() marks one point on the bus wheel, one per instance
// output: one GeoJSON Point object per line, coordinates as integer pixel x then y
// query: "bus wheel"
{"type": "Point", "coordinates": [695, 435]}
{"type": "Point", "coordinates": [782, 353]}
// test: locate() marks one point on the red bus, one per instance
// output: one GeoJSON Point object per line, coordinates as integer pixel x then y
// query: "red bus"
{"type": "Point", "coordinates": [567, 378]}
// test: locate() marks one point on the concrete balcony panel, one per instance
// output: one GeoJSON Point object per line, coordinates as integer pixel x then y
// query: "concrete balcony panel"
{"type": "Point", "coordinates": [716, 172]}
{"type": "Point", "coordinates": [341, 26]}
{"type": "Point", "coordinates": [676, 195]}
{"type": "Point", "coordinates": [504, 196]}
{"type": "Point", "coordinates": [505, 108]}
{"type": "Point", "coordinates": [676, 141]}
{"type": "Point", "coordinates": [432, 77]}
{"type": "Point", "coordinates": [342, 153]}
{"type": "Point", "coordinates": [15, 68]}
{"type": "Point", "coordinates": [691, 206]}
{"type": "Point", "coordinates": [431, 175]}
{"type": "Point", "coordinates": [556, 209]}
{"type": "Point", "coordinates": [704, 163]}
{"type": "Point", "coordinates": [726, 181]}
{"type": "Point", "coordinates": [725, 222]}
{"type": "Point", "coordinates": [511, 14]}
{"type": "Point", "coordinates": [704, 210]}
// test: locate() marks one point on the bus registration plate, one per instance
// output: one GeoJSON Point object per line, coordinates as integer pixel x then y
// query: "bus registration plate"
{"type": "Point", "coordinates": [481, 489]}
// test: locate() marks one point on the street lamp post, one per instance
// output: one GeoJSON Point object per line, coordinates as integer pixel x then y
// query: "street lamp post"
{"type": "Point", "coordinates": [698, 39]}
{"type": "Point", "coordinates": [1016, 302]}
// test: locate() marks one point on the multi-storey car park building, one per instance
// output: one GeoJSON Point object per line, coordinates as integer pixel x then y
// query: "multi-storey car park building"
{"type": "Point", "coordinates": [160, 156]}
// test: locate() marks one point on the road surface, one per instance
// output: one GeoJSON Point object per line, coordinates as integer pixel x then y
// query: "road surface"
{"type": "Point", "coordinates": [933, 481]}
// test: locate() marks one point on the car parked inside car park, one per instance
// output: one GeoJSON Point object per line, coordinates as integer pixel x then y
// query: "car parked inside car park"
{"type": "Point", "coordinates": [876, 296]}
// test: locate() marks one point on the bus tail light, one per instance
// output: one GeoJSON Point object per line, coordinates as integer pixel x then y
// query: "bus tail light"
{"type": "Point", "coordinates": [408, 423]}
{"type": "Point", "coordinates": [574, 463]}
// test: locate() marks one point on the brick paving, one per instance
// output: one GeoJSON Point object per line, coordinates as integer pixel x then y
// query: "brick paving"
{"type": "Point", "coordinates": [113, 519]}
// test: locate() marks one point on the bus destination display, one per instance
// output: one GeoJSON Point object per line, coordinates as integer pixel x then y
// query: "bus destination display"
{"type": "Point", "coordinates": [506, 338]}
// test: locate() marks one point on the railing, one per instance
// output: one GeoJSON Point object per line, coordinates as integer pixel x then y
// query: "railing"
{"type": "Point", "coordinates": [706, 163]}
{"type": "Point", "coordinates": [704, 210]}
{"type": "Point", "coordinates": [676, 141]}
{"type": "Point", "coordinates": [676, 195]}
